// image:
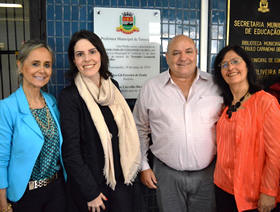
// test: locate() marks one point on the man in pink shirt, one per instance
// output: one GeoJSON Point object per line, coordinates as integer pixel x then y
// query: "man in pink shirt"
{"type": "Point", "coordinates": [179, 108]}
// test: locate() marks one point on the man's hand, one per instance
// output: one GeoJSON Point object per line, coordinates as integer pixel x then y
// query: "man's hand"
{"type": "Point", "coordinates": [266, 203]}
{"type": "Point", "coordinates": [148, 178]}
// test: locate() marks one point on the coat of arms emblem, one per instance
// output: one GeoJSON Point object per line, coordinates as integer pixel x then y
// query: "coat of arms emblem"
{"type": "Point", "coordinates": [263, 6]}
{"type": "Point", "coordinates": [127, 23]}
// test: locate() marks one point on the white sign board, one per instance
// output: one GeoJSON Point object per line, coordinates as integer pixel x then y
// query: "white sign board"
{"type": "Point", "coordinates": [132, 41]}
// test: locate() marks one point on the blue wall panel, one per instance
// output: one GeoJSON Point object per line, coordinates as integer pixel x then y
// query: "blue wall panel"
{"type": "Point", "coordinates": [217, 29]}
{"type": "Point", "coordinates": [64, 17]}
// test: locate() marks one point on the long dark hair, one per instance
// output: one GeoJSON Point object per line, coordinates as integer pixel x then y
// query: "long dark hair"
{"type": "Point", "coordinates": [96, 41]}
{"type": "Point", "coordinates": [251, 75]}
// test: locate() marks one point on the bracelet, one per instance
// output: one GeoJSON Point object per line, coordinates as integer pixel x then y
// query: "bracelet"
{"type": "Point", "coordinates": [9, 207]}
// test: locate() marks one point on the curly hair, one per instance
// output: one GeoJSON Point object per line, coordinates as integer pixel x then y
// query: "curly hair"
{"type": "Point", "coordinates": [251, 75]}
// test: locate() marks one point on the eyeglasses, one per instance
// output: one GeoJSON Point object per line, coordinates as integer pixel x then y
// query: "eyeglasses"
{"type": "Point", "coordinates": [233, 61]}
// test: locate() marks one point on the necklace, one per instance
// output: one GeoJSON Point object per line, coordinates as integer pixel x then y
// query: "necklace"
{"type": "Point", "coordinates": [39, 121]}
{"type": "Point", "coordinates": [48, 127]}
{"type": "Point", "coordinates": [33, 103]}
{"type": "Point", "coordinates": [232, 108]}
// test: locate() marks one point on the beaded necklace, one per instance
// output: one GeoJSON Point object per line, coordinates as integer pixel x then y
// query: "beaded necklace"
{"type": "Point", "coordinates": [232, 108]}
{"type": "Point", "coordinates": [47, 127]}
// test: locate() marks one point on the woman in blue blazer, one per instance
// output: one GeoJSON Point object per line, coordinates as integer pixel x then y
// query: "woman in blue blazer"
{"type": "Point", "coordinates": [31, 166]}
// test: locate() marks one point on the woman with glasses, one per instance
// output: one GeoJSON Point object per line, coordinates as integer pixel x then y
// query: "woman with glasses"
{"type": "Point", "coordinates": [247, 173]}
{"type": "Point", "coordinates": [31, 165]}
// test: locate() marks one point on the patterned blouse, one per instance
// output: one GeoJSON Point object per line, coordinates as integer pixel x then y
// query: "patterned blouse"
{"type": "Point", "coordinates": [47, 163]}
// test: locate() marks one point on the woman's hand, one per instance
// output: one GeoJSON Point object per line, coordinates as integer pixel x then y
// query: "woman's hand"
{"type": "Point", "coordinates": [266, 203]}
{"type": "Point", "coordinates": [4, 205]}
{"type": "Point", "coordinates": [94, 205]}
{"type": "Point", "coordinates": [6, 208]}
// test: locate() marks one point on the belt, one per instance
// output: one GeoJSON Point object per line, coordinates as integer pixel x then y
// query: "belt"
{"type": "Point", "coordinates": [212, 164]}
{"type": "Point", "coordinates": [42, 183]}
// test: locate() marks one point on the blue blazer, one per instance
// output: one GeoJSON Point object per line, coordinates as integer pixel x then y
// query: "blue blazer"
{"type": "Point", "coordinates": [21, 141]}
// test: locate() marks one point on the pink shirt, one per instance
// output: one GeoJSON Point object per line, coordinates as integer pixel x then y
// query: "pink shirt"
{"type": "Point", "coordinates": [183, 130]}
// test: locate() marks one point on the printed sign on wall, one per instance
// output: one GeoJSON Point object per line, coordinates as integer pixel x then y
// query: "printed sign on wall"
{"type": "Point", "coordinates": [255, 25]}
{"type": "Point", "coordinates": [132, 41]}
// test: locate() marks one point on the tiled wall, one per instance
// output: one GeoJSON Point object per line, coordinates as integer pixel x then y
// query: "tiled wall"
{"type": "Point", "coordinates": [64, 17]}
{"type": "Point", "coordinates": [217, 29]}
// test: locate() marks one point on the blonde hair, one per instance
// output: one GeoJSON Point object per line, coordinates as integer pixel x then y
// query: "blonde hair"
{"type": "Point", "coordinates": [29, 46]}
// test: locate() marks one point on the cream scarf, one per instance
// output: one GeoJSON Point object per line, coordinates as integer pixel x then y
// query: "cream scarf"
{"type": "Point", "coordinates": [129, 145]}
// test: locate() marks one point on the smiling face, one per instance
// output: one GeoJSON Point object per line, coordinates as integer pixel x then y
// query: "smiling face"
{"type": "Point", "coordinates": [87, 59]}
{"type": "Point", "coordinates": [182, 57]}
{"type": "Point", "coordinates": [36, 68]}
{"type": "Point", "coordinates": [235, 72]}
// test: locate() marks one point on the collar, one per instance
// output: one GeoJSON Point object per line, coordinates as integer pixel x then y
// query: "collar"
{"type": "Point", "coordinates": [166, 79]}
{"type": "Point", "coordinates": [23, 103]}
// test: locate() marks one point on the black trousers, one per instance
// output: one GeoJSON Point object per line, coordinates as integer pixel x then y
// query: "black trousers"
{"type": "Point", "coordinates": [50, 198]}
{"type": "Point", "coordinates": [225, 202]}
{"type": "Point", "coordinates": [120, 200]}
